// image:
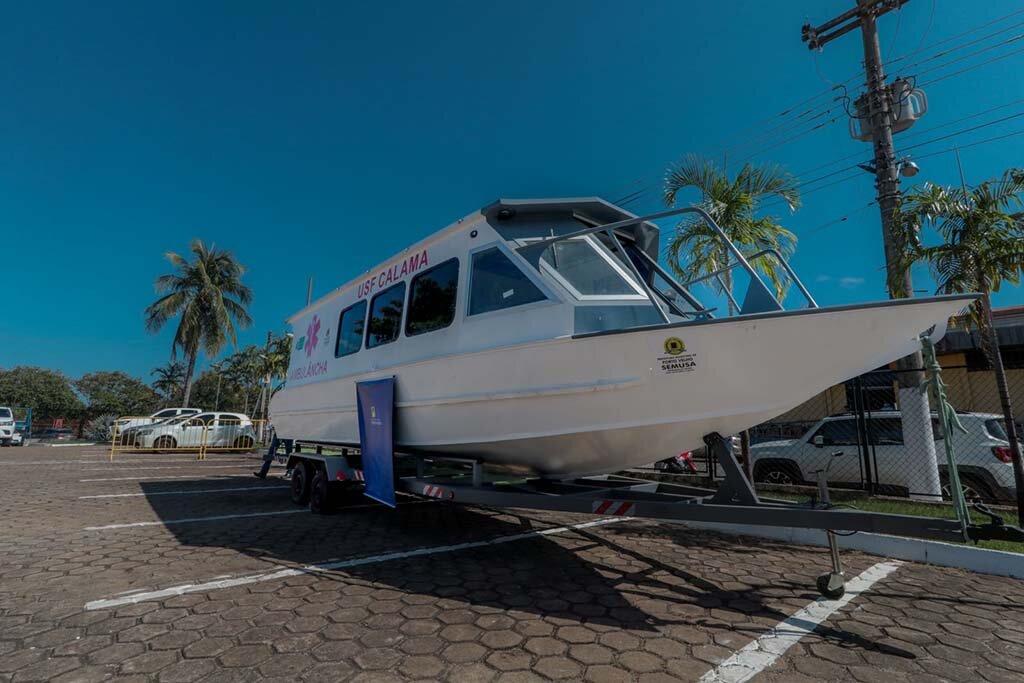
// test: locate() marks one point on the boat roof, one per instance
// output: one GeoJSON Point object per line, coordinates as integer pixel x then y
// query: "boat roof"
{"type": "Point", "coordinates": [593, 208]}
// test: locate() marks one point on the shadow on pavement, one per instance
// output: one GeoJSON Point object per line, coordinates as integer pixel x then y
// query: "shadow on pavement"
{"type": "Point", "coordinates": [579, 575]}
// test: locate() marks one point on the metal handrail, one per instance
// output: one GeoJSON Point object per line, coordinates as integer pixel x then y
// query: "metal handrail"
{"type": "Point", "coordinates": [741, 261]}
{"type": "Point", "coordinates": [778, 257]}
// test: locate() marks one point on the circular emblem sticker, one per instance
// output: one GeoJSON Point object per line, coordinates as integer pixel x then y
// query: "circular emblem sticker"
{"type": "Point", "coordinates": [674, 346]}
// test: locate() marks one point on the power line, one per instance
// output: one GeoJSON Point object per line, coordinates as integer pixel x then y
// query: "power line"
{"type": "Point", "coordinates": [952, 38]}
{"type": "Point", "coordinates": [962, 46]}
{"type": "Point", "coordinates": [962, 119]}
{"type": "Point", "coordinates": [820, 109]}
{"type": "Point", "coordinates": [920, 144]}
{"type": "Point", "coordinates": [786, 141]}
{"type": "Point", "coordinates": [965, 130]}
{"type": "Point", "coordinates": [834, 221]}
{"type": "Point", "coordinates": [783, 127]}
{"type": "Point", "coordinates": [972, 54]}
{"type": "Point", "coordinates": [973, 67]}
{"type": "Point", "coordinates": [972, 144]}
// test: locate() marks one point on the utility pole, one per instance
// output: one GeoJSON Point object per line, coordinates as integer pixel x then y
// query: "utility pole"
{"type": "Point", "coordinates": [914, 409]}
{"type": "Point", "coordinates": [266, 385]}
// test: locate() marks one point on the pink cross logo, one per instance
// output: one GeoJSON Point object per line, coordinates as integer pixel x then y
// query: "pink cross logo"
{"type": "Point", "coordinates": [312, 336]}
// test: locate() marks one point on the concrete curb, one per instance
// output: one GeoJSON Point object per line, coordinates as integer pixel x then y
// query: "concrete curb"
{"type": "Point", "coordinates": [67, 445]}
{"type": "Point", "coordinates": [971, 558]}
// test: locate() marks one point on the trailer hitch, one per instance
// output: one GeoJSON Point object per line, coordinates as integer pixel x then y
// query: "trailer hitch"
{"type": "Point", "coordinates": [995, 530]}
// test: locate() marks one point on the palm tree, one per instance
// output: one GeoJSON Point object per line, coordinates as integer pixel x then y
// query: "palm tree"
{"type": "Point", "coordinates": [209, 298]}
{"type": "Point", "coordinates": [733, 203]}
{"type": "Point", "coordinates": [982, 247]}
{"type": "Point", "coordinates": [245, 369]}
{"type": "Point", "coordinates": [169, 380]}
{"type": "Point", "coordinates": [695, 250]}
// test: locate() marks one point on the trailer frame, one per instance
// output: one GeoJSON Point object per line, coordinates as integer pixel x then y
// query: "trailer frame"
{"type": "Point", "coordinates": [316, 478]}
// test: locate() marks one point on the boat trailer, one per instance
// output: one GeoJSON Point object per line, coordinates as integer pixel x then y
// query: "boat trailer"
{"type": "Point", "coordinates": [316, 477]}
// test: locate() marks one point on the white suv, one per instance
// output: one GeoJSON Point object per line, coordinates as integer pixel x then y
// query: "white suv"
{"type": "Point", "coordinates": [6, 426]}
{"type": "Point", "coordinates": [212, 430]}
{"type": "Point", "coordinates": [983, 455]}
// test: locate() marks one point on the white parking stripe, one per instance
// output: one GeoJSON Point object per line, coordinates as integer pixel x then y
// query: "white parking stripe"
{"type": "Point", "coordinates": [170, 467]}
{"type": "Point", "coordinates": [331, 566]}
{"type": "Point", "coordinates": [216, 518]}
{"type": "Point", "coordinates": [184, 492]}
{"type": "Point", "coordinates": [163, 477]}
{"type": "Point", "coordinates": [758, 655]}
{"type": "Point", "coordinates": [193, 520]}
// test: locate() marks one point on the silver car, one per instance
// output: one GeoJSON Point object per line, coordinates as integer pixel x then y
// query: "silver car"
{"type": "Point", "coordinates": [221, 431]}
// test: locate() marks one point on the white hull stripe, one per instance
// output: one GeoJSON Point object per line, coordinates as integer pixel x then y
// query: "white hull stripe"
{"type": "Point", "coordinates": [758, 655]}
{"type": "Point", "coordinates": [331, 566]}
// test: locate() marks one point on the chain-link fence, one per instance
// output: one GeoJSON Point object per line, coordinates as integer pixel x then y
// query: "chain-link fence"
{"type": "Point", "coordinates": [861, 435]}
{"type": "Point", "coordinates": [857, 436]}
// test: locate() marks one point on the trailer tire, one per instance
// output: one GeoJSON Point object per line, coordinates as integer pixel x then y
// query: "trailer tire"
{"type": "Point", "coordinates": [301, 476]}
{"type": "Point", "coordinates": [320, 493]}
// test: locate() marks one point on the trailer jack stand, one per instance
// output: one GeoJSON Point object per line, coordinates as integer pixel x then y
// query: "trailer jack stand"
{"type": "Point", "coordinates": [832, 585]}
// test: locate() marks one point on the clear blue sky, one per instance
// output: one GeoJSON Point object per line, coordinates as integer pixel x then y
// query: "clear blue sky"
{"type": "Point", "coordinates": [318, 139]}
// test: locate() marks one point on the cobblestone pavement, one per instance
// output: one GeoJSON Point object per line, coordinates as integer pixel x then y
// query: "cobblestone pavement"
{"type": "Point", "coordinates": [626, 601]}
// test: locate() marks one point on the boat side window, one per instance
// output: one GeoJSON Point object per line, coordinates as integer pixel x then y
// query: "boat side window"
{"type": "Point", "coordinates": [498, 283]}
{"type": "Point", "coordinates": [350, 329]}
{"type": "Point", "coordinates": [588, 270]}
{"type": "Point", "coordinates": [432, 298]}
{"type": "Point", "coordinates": [385, 316]}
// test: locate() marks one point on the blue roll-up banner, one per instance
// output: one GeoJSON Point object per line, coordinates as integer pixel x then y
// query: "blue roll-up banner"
{"type": "Point", "coordinates": [376, 404]}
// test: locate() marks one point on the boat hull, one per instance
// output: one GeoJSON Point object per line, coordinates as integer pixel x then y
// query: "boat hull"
{"type": "Point", "coordinates": [599, 403]}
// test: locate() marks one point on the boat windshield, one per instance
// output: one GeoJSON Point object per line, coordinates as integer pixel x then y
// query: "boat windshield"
{"type": "Point", "coordinates": [586, 268]}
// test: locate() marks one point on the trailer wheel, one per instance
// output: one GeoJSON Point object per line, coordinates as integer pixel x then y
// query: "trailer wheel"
{"type": "Point", "coordinates": [831, 586]}
{"type": "Point", "coordinates": [319, 493]}
{"type": "Point", "coordinates": [301, 476]}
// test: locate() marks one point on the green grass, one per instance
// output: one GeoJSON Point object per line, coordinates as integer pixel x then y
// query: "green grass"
{"type": "Point", "coordinates": [910, 507]}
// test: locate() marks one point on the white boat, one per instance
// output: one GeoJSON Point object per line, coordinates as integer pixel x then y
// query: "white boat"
{"type": "Point", "coordinates": [542, 335]}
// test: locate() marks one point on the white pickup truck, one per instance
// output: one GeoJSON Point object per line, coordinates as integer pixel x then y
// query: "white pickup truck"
{"type": "Point", "coordinates": [982, 454]}
{"type": "Point", "coordinates": [7, 433]}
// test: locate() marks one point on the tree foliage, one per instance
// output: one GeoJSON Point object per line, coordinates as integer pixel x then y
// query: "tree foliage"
{"type": "Point", "coordinates": [47, 392]}
{"type": "Point", "coordinates": [695, 250]}
{"type": "Point", "coordinates": [169, 382]}
{"type": "Point", "coordinates": [207, 296]}
{"type": "Point", "coordinates": [234, 383]}
{"type": "Point", "coordinates": [981, 237]}
{"type": "Point", "coordinates": [116, 393]}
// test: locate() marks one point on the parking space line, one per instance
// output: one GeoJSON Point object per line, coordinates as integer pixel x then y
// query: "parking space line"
{"type": "Point", "coordinates": [194, 520]}
{"type": "Point", "coordinates": [166, 477]}
{"type": "Point", "coordinates": [761, 653]}
{"type": "Point", "coordinates": [166, 467]}
{"type": "Point", "coordinates": [184, 492]}
{"type": "Point", "coordinates": [331, 566]}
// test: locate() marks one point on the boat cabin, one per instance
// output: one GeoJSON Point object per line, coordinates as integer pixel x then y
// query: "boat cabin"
{"type": "Point", "coordinates": [515, 272]}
